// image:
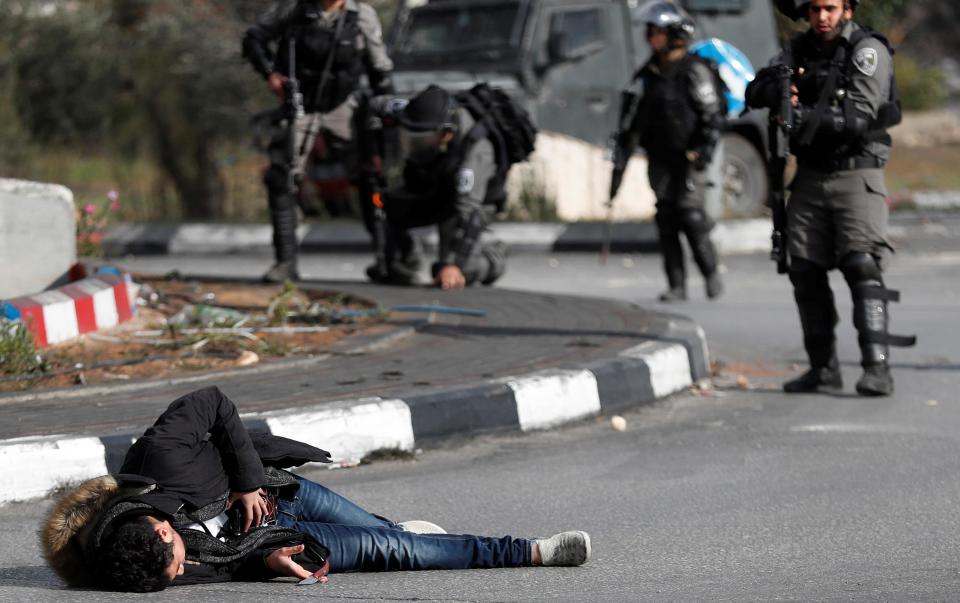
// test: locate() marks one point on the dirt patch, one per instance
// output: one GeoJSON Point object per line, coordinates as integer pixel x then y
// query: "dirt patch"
{"type": "Point", "coordinates": [183, 327]}
{"type": "Point", "coordinates": [932, 168]}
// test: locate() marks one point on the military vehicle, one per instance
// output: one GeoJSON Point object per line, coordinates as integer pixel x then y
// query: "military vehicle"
{"type": "Point", "coordinates": [568, 60]}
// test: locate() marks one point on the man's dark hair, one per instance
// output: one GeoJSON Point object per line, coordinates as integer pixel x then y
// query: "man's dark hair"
{"type": "Point", "coordinates": [133, 558]}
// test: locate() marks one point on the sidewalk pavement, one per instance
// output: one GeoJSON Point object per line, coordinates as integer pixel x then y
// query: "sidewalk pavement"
{"type": "Point", "coordinates": [533, 362]}
{"type": "Point", "coordinates": [730, 236]}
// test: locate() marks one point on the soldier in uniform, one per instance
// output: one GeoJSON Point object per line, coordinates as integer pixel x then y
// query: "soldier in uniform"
{"type": "Point", "coordinates": [450, 178]}
{"type": "Point", "coordinates": [678, 120]}
{"type": "Point", "coordinates": [335, 42]}
{"type": "Point", "coordinates": [844, 100]}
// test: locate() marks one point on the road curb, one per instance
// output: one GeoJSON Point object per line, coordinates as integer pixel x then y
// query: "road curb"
{"type": "Point", "coordinates": [731, 236]}
{"type": "Point", "coordinates": [545, 399]}
{"type": "Point", "coordinates": [84, 306]}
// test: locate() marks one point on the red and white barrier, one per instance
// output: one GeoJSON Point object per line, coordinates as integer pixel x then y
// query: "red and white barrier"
{"type": "Point", "coordinates": [87, 305]}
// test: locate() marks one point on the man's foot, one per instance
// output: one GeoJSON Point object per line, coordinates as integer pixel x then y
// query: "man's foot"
{"type": "Point", "coordinates": [673, 295]}
{"type": "Point", "coordinates": [818, 379]}
{"type": "Point", "coordinates": [714, 286]}
{"type": "Point", "coordinates": [420, 526]}
{"type": "Point", "coordinates": [396, 275]}
{"type": "Point", "coordinates": [565, 548]}
{"type": "Point", "coordinates": [282, 272]}
{"type": "Point", "coordinates": [876, 381]}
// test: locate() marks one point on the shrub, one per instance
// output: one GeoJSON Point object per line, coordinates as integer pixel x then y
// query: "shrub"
{"type": "Point", "coordinates": [921, 88]}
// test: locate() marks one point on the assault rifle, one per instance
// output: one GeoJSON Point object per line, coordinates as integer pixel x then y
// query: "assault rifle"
{"type": "Point", "coordinates": [623, 143]}
{"type": "Point", "coordinates": [293, 112]}
{"type": "Point", "coordinates": [781, 122]}
{"type": "Point", "coordinates": [371, 147]}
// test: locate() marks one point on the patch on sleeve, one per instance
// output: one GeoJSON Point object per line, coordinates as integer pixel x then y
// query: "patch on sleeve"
{"type": "Point", "coordinates": [707, 93]}
{"type": "Point", "coordinates": [395, 106]}
{"type": "Point", "coordinates": [465, 181]}
{"type": "Point", "coordinates": [866, 61]}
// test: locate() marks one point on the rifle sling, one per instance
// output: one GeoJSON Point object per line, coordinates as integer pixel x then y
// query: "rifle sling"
{"type": "Point", "coordinates": [813, 124]}
{"type": "Point", "coordinates": [324, 77]}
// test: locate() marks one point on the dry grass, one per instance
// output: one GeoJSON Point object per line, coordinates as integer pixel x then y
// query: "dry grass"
{"type": "Point", "coordinates": [924, 169]}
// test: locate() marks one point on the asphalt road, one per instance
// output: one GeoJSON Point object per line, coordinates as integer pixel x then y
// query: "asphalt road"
{"type": "Point", "coordinates": [738, 494]}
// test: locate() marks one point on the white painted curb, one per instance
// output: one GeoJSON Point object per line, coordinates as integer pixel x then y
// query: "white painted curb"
{"type": "Point", "coordinates": [31, 467]}
{"type": "Point", "coordinates": [347, 430]}
{"type": "Point", "coordinates": [550, 398]}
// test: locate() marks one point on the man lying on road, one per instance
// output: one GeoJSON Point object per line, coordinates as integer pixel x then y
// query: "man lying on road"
{"type": "Point", "coordinates": [200, 499]}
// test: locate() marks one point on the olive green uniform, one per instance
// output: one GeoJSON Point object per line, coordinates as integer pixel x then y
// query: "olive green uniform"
{"type": "Point", "coordinates": [834, 210]}
{"type": "Point", "coordinates": [837, 213]}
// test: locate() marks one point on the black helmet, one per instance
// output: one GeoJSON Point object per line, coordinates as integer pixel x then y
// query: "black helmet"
{"type": "Point", "coordinates": [433, 108]}
{"type": "Point", "coordinates": [669, 16]}
{"type": "Point", "coordinates": [797, 9]}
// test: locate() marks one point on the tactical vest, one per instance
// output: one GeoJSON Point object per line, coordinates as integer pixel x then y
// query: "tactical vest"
{"type": "Point", "coordinates": [436, 176]}
{"type": "Point", "coordinates": [670, 119]}
{"type": "Point", "coordinates": [810, 85]}
{"type": "Point", "coordinates": [315, 41]}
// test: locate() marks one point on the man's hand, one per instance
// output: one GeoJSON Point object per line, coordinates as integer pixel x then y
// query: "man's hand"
{"type": "Point", "coordinates": [253, 505]}
{"type": "Point", "coordinates": [276, 82]}
{"type": "Point", "coordinates": [281, 562]}
{"type": "Point", "coordinates": [450, 277]}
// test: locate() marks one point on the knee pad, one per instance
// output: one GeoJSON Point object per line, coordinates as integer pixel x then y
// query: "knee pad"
{"type": "Point", "coordinates": [696, 221]}
{"type": "Point", "coordinates": [859, 267]}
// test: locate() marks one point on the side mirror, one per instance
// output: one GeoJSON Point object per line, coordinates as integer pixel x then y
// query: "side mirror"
{"type": "Point", "coordinates": [558, 48]}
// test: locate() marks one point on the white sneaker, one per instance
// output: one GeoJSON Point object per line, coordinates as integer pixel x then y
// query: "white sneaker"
{"type": "Point", "coordinates": [420, 526]}
{"type": "Point", "coordinates": [565, 548]}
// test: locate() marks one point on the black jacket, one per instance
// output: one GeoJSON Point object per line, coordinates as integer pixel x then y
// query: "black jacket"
{"type": "Point", "coordinates": [197, 452]}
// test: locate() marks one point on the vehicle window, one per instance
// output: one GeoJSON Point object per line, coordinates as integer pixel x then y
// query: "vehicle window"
{"type": "Point", "coordinates": [458, 29]}
{"type": "Point", "coordinates": [726, 6]}
{"type": "Point", "coordinates": [582, 27]}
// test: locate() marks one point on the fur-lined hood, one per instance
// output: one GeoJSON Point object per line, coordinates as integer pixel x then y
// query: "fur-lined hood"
{"type": "Point", "coordinates": [63, 532]}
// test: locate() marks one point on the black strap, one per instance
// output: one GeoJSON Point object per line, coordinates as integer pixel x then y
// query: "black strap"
{"type": "Point", "coordinates": [327, 67]}
{"type": "Point", "coordinates": [879, 337]}
{"type": "Point", "coordinates": [881, 293]}
{"type": "Point", "coordinates": [829, 88]}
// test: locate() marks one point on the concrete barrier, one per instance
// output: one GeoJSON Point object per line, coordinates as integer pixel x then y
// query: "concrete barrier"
{"type": "Point", "coordinates": [576, 176]}
{"type": "Point", "coordinates": [37, 236]}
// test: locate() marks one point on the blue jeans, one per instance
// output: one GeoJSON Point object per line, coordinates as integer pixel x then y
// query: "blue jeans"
{"type": "Point", "coordinates": [360, 541]}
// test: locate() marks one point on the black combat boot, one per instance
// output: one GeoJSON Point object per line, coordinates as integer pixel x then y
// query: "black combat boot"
{"type": "Point", "coordinates": [825, 378]}
{"type": "Point", "coordinates": [818, 318]}
{"type": "Point", "coordinates": [283, 215]}
{"type": "Point", "coordinates": [714, 285]}
{"type": "Point", "coordinates": [404, 260]}
{"type": "Point", "coordinates": [876, 381]}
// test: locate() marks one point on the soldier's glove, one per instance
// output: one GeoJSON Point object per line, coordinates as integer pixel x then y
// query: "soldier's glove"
{"type": "Point", "coordinates": [764, 90]}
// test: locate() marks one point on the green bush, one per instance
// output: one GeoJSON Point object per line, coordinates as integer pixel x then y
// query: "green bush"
{"type": "Point", "coordinates": [921, 88]}
{"type": "Point", "coordinates": [17, 352]}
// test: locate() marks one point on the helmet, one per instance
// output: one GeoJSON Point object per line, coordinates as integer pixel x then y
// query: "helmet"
{"type": "Point", "coordinates": [666, 14]}
{"type": "Point", "coordinates": [433, 108]}
{"type": "Point", "coordinates": [797, 9]}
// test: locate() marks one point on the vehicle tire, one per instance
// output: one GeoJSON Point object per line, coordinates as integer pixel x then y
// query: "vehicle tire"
{"type": "Point", "coordinates": [744, 179]}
